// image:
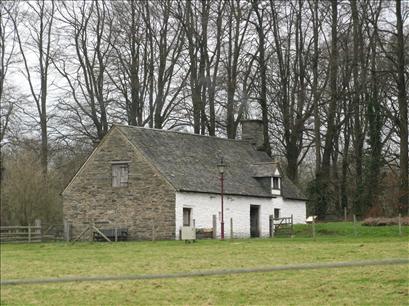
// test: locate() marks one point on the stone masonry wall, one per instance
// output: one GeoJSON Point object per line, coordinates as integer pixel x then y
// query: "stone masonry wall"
{"type": "Point", "coordinates": [146, 207]}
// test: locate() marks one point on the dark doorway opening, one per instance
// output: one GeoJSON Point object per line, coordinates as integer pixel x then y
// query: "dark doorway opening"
{"type": "Point", "coordinates": [254, 221]}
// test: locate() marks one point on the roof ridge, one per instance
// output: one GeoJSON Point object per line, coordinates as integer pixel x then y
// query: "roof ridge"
{"type": "Point", "coordinates": [267, 162]}
{"type": "Point", "coordinates": [177, 132]}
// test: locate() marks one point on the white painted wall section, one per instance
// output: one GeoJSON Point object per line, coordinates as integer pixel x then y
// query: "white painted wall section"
{"type": "Point", "coordinates": [205, 205]}
{"type": "Point", "coordinates": [290, 207]}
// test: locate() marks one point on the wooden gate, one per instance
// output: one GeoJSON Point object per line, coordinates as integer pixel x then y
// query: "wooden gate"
{"type": "Point", "coordinates": [281, 226]}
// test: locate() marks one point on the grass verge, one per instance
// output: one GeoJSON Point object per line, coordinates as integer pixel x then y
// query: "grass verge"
{"type": "Point", "coordinates": [381, 285]}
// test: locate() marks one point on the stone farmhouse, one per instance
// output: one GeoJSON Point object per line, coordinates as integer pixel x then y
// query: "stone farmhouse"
{"type": "Point", "coordinates": [153, 182]}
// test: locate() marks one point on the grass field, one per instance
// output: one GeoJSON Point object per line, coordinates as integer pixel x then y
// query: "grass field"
{"type": "Point", "coordinates": [380, 285]}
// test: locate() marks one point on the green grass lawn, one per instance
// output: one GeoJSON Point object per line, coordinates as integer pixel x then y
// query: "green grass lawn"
{"type": "Point", "coordinates": [347, 229]}
{"type": "Point", "coordinates": [380, 285]}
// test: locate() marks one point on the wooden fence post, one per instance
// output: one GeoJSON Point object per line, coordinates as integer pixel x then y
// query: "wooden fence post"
{"type": "Point", "coordinates": [272, 228]}
{"type": "Point", "coordinates": [38, 230]}
{"type": "Point", "coordinates": [66, 230]}
{"type": "Point", "coordinates": [345, 214]}
{"type": "Point", "coordinates": [355, 233]}
{"type": "Point", "coordinates": [292, 226]}
{"type": "Point", "coordinates": [153, 231]}
{"type": "Point", "coordinates": [313, 228]}
{"type": "Point", "coordinates": [231, 228]}
{"type": "Point", "coordinates": [400, 224]}
{"type": "Point", "coordinates": [214, 227]}
{"type": "Point", "coordinates": [29, 233]}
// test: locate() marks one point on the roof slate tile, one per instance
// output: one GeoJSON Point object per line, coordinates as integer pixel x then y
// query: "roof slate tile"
{"type": "Point", "coordinates": [189, 162]}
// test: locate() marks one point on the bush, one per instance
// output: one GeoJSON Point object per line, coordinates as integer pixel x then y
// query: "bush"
{"type": "Point", "coordinates": [385, 221]}
{"type": "Point", "coordinates": [26, 194]}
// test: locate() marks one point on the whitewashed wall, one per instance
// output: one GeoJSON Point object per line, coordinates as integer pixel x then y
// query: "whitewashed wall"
{"type": "Point", "coordinates": [291, 207]}
{"type": "Point", "coordinates": [204, 206]}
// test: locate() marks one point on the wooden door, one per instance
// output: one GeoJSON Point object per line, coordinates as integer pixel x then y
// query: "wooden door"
{"type": "Point", "coordinates": [254, 221]}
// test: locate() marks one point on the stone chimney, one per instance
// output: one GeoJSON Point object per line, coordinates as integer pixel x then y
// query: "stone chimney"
{"type": "Point", "coordinates": [252, 131]}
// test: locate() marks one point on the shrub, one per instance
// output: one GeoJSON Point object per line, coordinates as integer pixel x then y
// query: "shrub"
{"type": "Point", "coordinates": [385, 221]}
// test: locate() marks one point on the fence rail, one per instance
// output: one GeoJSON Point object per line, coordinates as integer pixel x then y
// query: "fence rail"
{"type": "Point", "coordinates": [52, 232]}
{"type": "Point", "coordinates": [17, 234]}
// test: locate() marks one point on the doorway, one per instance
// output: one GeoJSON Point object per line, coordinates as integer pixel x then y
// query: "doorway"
{"type": "Point", "coordinates": [254, 221]}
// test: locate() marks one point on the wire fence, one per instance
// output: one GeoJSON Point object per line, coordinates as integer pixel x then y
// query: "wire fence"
{"type": "Point", "coordinates": [305, 266]}
{"type": "Point", "coordinates": [277, 228]}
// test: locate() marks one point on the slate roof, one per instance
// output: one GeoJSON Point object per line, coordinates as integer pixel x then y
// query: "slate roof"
{"type": "Point", "coordinates": [290, 190]}
{"type": "Point", "coordinates": [189, 162]}
{"type": "Point", "coordinates": [265, 169]}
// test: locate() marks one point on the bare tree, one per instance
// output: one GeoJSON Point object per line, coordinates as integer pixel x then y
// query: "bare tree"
{"type": "Point", "coordinates": [237, 32]}
{"type": "Point", "coordinates": [290, 81]}
{"type": "Point", "coordinates": [322, 188]}
{"type": "Point", "coordinates": [314, 86]}
{"type": "Point", "coordinates": [86, 72]}
{"type": "Point", "coordinates": [168, 38]}
{"type": "Point", "coordinates": [7, 37]}
{"type": "Point", "coordinates": [38, 21]}
{"type": "Point", "coordinates": [359, 68]}
{"type": "Point", "coordinates": [403, 110]}
{"type": "Point", "coordinates": [202, 26]}
{"type": "Point", "coordinates": [374, 114]}
{"type": "Point", "coordinates": [130, 71]}
{"type": "Point", "coordinates": [259, 24]}
{"type": "Point", "coordinates": [146, 68]}
{"type": "Point", "coordinates": [330, 75]}
{"type": "Point", "coordinates": [213, 61]}
{"type": "Point", "coordinates": [188, 14]}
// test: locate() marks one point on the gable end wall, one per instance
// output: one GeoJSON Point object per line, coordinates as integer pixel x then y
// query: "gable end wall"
{"type": "Point", "coordinates": [146, 207]}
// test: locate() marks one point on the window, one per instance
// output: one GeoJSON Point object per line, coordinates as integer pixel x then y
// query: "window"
{"type": "Point", "coordinates": [276, 182]}
{"type": "Point", "coordinates": [186, 216]}
{"type": "Point", "coordinates": [120, 173]}
{"type": "Point", "coordinates": [276, 213]}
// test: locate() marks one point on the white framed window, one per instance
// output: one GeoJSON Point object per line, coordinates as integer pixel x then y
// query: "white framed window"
{"type": "Point", "coordinates": [120, 174]}
{"type": "Point", "coordinates": [276, 182]}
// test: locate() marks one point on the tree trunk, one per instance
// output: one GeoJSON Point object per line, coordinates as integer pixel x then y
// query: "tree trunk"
{"type": "Point", "coordinates": [358, 135]}
{"type": "Point", "coordinates": [317, 120]}
{"type": "Point", "coordinates": [263, 78]}
{"type": "Point", "coordinates": [323, 179]}
{"type": "Point", "coordinates": [403, 113]}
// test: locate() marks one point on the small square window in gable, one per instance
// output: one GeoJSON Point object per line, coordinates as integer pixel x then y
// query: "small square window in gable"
{"type": "Point", "coordinates": [120, 174]}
